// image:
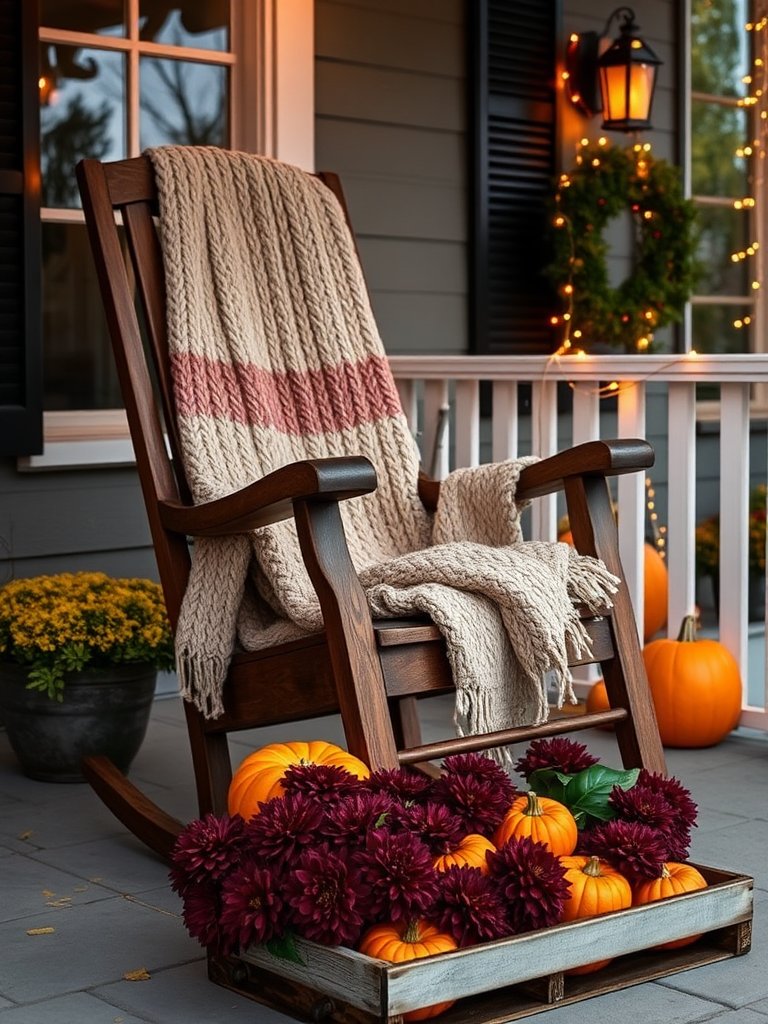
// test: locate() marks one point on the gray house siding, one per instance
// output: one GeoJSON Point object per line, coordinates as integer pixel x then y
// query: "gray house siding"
{"type": "Point", "coordinates": [391, 121]}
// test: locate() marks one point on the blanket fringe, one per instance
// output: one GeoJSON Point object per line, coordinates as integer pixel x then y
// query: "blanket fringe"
{"type": "Point", "coordinates": [201, 680]}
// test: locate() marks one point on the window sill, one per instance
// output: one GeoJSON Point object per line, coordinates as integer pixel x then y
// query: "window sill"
{"type": "Point", "coordinates": [90, 439]}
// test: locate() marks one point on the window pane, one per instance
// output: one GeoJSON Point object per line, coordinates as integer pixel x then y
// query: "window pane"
{"type": "Point", "coordinates": [79, 368]}
{"type": "Point", "coordinates": [81, 114]}
{"type": "Point", "coordinates": [105, 18]}
{"type": "Point", "coordinates": [714, 331]}
{"type": "Point", "coordinates": [203, 24]}
{"type": "Point", "coordinates": [716, 133]}
{"type": "Point", "coordinates": [719, 57]}
{"type": "Point", "coordinates": [183, 103]}
{"type": "Point", "coordinates": [722, 232]}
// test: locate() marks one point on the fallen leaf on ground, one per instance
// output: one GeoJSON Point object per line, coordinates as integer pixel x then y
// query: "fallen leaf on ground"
{"type": "Point", "coordinates": [141, 974]}
{"type": "Point", "coordinates": [63, 901]}
{"type": "Point", "coordinates": [40, 931]}
{"type": "Point", "coordinates": [26, 834]}
{"type": "Point", "coordinates": [48, 893]}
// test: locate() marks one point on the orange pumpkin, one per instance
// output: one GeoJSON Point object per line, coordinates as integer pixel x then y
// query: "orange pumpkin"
{"type": "Point", "coordinates": [597, 700]}
{"type": "Point", "coordinates": [655, 592]}
{"type": "Point", "coordinates": [596, 888]}
{"type": "Point", "coordinates": [470, 853]}
{"type": "Point", "coordinates": [544, 820]}
{"type": "Point", "coordinates": [655, 588]}
{"type": "Point", "coordinates": [696, 688]}
{"type": "Point", "coordinates": [257, 779]}
{"type": "Point", "coordinates": [399, 942]}
{"type": "Point", "coordinates": [674, 879]}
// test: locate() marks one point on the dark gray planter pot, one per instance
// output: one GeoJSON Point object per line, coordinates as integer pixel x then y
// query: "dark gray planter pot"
{"type": "Point", "coordinates": [104, 711]}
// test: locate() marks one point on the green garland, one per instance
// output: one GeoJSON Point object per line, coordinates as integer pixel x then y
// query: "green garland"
{"type": "Point", "coordinates": [606, 181]}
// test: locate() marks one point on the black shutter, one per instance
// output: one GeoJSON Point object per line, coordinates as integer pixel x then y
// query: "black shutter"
{"type": "Point", "coordinates": [514, 165]}
{"type": "Point", "coordinates": [20, 318]}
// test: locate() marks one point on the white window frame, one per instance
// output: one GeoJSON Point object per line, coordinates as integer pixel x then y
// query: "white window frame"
{"type": "Point", "coordinates": [272, 112]}
{"type": "Point", "coordinates": [755, 301]}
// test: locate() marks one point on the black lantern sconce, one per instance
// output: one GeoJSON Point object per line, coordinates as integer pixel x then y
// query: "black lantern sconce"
{"type": "Point", "coordinates": [619, 80]}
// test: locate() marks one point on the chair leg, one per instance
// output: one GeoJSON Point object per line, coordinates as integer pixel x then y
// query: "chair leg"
{"type": "Point", "coordinates": [590, 516]}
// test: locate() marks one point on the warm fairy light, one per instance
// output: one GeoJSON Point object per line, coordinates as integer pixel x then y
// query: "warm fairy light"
{"type": "Point", "coordinates": [647, 214]}
{"type": "Point", "coordinates": [559, 221]}
{"type": "Point", "coordinates": [602, 141]}
{"type": "Point", "coordinates": [693, 353]}
{"type": "Point", "coordinates": [738, 324]}
{"type": "Point", "coordinates": [581, 354]}
{"type": "Point", "coordinates": [568, 289]}
{"type": "Point", "coordinates": [577, 333]}
{"type": "Point", "coordinates": [565, 76]}
{"type": "Point", "coordinates": [583, 142]}
{"type": "Point", "coordinates": [613, 386]}
{"type": "Point", "coordinates": [595, 162]}
{"type": "Point", "coordinates": [554, 320]}
{"type": "Point", "coordinates": [643, 343]}
{"type": "Point", "coordinates": [755, 285]}
{"type": "Point", "coordinates": [573, 37]}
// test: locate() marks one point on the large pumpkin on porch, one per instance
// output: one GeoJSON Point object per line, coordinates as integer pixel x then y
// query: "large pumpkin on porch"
{"type": "Point", "coordinates": [696, 688]}
{"type": "Point", "coordinates": [258, 777]}
{"type": "Point", "coordinates": [655, 588]}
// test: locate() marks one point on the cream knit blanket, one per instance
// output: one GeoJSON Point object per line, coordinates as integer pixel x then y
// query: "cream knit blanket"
{"type": "Point", "coordinates": [276, 357]}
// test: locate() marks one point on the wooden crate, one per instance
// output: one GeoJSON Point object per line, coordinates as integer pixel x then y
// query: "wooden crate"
{"type": "Point", "coordinates": [507, 979]}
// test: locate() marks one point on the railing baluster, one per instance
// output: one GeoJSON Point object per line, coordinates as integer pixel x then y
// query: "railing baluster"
{"type": "Point", "coordinates": [505, 430]}
{"type": "Point", "coordinates": [631, 491]}
{"type": "Point", "coordinates": [586, 413]}
{"type": "Point", "coordinates": [544, 443]}
{"type": "Point", "coordinates": [467, 423]}
{"type": "Point", "coordinates": [734, 519]}
{"type": "Point", "coordinates": [681, 503]}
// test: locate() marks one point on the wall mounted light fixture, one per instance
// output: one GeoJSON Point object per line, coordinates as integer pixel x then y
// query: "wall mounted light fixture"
{"type": "Point", "coordinates": [617, 78]}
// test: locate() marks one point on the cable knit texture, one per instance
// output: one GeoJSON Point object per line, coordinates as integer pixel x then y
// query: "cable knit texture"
{"type": "Point", "coordinates": [276, 357]}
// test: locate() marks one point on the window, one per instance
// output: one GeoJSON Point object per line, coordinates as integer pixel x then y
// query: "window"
{"type": "Point", "coordinates": [726, 176]}
{"type": "Point", "coordinates": [114, 78]}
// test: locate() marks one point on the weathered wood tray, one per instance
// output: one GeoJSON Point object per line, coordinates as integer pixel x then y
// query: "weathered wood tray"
{"type": "Point", "coordinates": [508, 979]}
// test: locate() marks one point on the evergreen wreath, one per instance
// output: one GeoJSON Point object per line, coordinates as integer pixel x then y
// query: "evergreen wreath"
{"type": "Point", "coordinates": [605, 181]}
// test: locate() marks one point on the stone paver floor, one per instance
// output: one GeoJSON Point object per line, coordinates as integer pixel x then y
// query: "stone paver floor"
{"type": "Point", "coordinates": [67, 864]}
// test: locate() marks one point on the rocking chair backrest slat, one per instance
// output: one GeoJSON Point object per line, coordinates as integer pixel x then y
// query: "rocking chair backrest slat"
{"type": "Point", "coordinates": [128, 188]}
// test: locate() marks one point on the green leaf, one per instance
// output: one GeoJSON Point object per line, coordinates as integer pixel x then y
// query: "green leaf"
{"type": "Point", "coordinates": [550, 782]}
{"type": "Point", "coordinates": [284, 948]}
{"type": "Point", "coordinates": [588, 791]}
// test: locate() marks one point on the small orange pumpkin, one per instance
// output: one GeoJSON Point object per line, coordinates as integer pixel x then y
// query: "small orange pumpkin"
{"type": "Point", "coordinates": [544, 820]}
{"type": "Point", "coordinates": [470, 853]}
{"type": "Point", "coordinates": [257, 779]}
{"type": "Point", "coordinates": [596, 888]}
{"type": "Point", "coordinates": [674, 879]}
{"type": "Point", "coordinates": [696, 688]}
{"type": "Point", "coordinates": [408, 941]}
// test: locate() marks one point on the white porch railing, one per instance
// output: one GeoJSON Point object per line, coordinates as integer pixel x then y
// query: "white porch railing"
{"type": "Point", "coordinates": [427, 382]}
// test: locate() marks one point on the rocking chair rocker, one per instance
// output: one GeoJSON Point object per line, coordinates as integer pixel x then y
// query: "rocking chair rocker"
{"type": "Point", "coordinates": [371, 672]}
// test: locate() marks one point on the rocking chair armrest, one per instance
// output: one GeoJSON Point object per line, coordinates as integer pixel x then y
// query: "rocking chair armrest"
{"type": "Point", "coordinates": [270, 499]}
{"type": "Point", "coordinates": [593, 458]}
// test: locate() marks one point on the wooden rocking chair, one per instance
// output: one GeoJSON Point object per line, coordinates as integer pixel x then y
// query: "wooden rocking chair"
{"type": "Point", "coordinates": [370, 672]}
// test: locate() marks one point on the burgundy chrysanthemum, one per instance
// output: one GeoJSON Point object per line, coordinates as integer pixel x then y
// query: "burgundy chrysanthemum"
{"type": "Point", "coordinates": [644, 805]}
{"type": "Point", "coordinates": [436, 825]}
{"type": "Point", "coordinates": [348, 822]}
{"type": "Point", "coordinates": [397, 869]}
{"type": "Point", "coordinates": [201, 914]}
{"type": "Point", "coordinates": [566, 756]}
{"type": "Point", "coordinates": [636, 850]}
{"type": "Point", "coordinates": [284, 827]}
{"type": "Point", "coordinates": [323, 897]}
{"type": "Point", "coordinates": [404, 784]}
{"type": "Point", "coordinates": [480, 766]}
{"type": "Point", "coordinates": [323, 782]}
{"type": "Point", "coordinates": [251, 907]}
{"type": "Point", "coordinates": [469, 907]}
{"type": "Point", "coordinates": [207, 849]}
{"type": "Point", "coordinates": [532, 881]}
{"type": "Point", "coordinates": [478, 802]}
{"type": "Point", "coordinates": [674, 792]}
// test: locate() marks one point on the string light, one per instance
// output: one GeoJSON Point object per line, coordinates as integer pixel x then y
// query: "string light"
{"type": "Point", "coordinates": [657, 529]}
{"type": "Point", "coordinates": [753, 151]}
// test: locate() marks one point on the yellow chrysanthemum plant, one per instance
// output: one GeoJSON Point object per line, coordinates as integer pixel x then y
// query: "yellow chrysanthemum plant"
{"type": "Point", "coordinates": [60, 624]}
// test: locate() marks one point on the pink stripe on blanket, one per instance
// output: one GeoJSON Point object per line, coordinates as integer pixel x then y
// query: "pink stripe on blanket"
{"type": "Point", "coordinates": [309, 402]}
